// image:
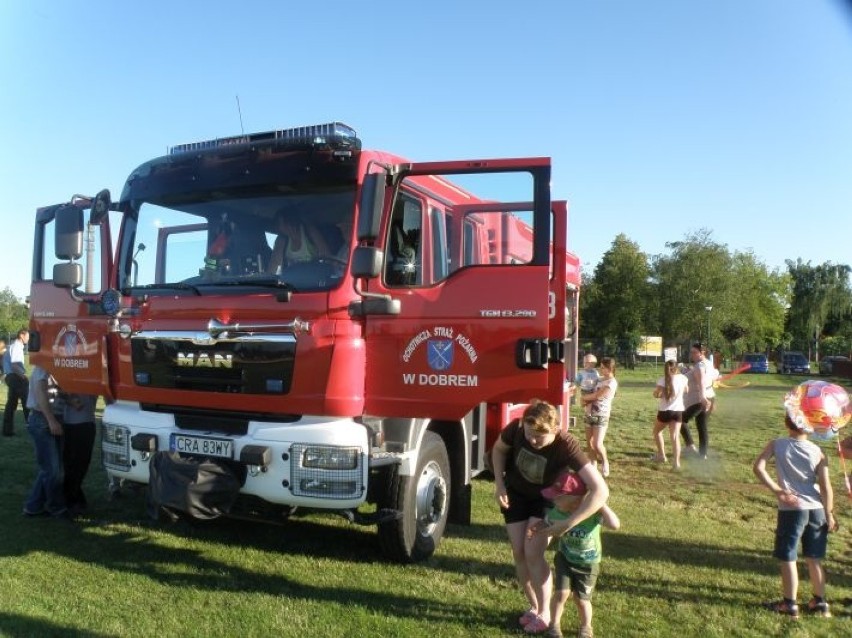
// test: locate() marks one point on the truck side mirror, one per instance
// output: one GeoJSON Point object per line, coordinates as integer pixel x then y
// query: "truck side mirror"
{"type": "Point", "coordinates": [370, 207]}
{"type": "Point", "coordinates": [68, 275]}
{"type": "Point", "coordinates": [68, 243]}
{"type": "Point", "coordinates": [366, 262]}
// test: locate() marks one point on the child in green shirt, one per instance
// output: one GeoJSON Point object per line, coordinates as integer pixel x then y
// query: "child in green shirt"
{"type": "Point", "coordinates": [578, 554]}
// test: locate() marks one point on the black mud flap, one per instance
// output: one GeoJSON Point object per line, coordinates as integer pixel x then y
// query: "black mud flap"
{"type": "Point", "coordinates": [199, 487]}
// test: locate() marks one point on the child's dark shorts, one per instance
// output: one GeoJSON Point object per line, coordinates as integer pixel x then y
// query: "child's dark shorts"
{"type": "Point", "coordinates": [670, 416]}
{"type": "Point", "coordinates": [579, 579]}
{"type": "Point", "coordinates": [523, 508]}
{"type": "Point", "coordinates": [808, 525]}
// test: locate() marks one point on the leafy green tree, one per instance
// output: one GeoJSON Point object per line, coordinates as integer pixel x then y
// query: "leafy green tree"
{"type": "Point", "coordinates": [14, 314]}
{"type": "Point", "coordinates": [838, 344]}
{"type": "Point", "coordinates": [820, 293]}
{"type": "Point", "coordinates": [759, 298]}
{"type": "Point", "coordinates": [618, 294]}
{"type": "Point", "coordinates": [694, 276]}
{"type": "Point", "coordinates": [733, 332]}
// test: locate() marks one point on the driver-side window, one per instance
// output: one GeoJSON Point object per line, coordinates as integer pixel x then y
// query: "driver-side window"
{"type": "Point", "coordinates": [404, 258]}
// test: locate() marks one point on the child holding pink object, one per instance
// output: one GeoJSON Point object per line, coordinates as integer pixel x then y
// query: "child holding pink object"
{"type": "Point", "coordinates": [578, 554]}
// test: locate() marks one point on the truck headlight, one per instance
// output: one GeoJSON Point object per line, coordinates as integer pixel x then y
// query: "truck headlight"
{"type": "Point", "coordinates": [330, 457]}
{"type": "Point", "coordinates": [327, 471]}
{"type": "Point", "coordinates": [115, 447]}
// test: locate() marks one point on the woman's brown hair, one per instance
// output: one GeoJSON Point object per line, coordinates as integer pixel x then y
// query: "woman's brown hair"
{"type": "Point", "coordinates": [541, 417]}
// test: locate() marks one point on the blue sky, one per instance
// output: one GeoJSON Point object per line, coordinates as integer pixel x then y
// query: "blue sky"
{"type": "Point", "coordinates": [662, 116]}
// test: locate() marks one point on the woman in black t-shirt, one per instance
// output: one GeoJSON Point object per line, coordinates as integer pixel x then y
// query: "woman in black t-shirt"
{"type": "Point", "coordinates": [530, 453]}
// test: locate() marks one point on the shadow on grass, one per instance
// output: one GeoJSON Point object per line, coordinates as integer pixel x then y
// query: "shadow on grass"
{"type": "Point", "coordinates": [714, 557]}
{"type": "Point", "coordinates": [17, 626]}
{"type": "Point", "coordinates": [133, 550]}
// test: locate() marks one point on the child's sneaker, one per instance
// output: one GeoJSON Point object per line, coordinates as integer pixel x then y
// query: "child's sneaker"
{"type": "Point", "coordinates": [585, 632]}
{"type": "Point", "coordinates": [818, 607]}
{"type": "Point", "coordinates": [785, 607]}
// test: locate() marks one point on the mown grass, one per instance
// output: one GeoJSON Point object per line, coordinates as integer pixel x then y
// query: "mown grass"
{"type": "Point", "coordinates": [692, 558]}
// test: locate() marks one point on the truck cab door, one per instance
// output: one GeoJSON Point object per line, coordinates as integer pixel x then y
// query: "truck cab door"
{"type": "Point", "coordinates": [67, 323]}
{"type": "Point", "coordinates": [468, 253]}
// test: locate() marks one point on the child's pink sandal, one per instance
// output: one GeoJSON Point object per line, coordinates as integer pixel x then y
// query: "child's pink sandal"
{"type": "Point", "coordinates": [536, 626]}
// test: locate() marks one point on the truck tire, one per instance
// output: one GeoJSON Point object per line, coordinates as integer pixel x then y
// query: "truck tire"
{"type": "Point", "coordinates": [423, 502]}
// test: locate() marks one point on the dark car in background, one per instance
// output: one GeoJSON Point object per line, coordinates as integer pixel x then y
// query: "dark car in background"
{"type": "Point", "coordinates": [826, 364]}
{"type": "Point", "coordinates": [794, 363]}
{"type": "Point", "coordinates": [757, 362]}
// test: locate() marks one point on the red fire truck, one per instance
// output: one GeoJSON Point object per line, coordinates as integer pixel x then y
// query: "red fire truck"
{"type": "Point", "coordinates": [304, 323]}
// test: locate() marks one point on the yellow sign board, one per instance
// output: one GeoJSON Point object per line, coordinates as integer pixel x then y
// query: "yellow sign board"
{"type": "Point", "coordinates": [650, 347]}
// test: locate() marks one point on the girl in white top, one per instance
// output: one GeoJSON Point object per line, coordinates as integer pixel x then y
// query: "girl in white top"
{"type": "Point", "coordinates": [598, 418]}
{"type": "Point", "coordinates": [670, 390]}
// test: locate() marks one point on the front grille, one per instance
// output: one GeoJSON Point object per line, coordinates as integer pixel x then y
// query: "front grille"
{"type": "Point", "coordinates": [239, 366]}
{"type": "Point", "coordinates": [208, 380]}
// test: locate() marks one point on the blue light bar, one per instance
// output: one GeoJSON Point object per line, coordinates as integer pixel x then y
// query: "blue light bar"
{"type": "Point", "coordinates": [335, 133]}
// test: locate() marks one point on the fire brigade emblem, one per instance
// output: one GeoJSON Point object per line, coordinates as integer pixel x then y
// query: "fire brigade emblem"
{"type": "Point", "coordinates": [439, 353]}
{"type": "Point", "coordinates": [71, 341]}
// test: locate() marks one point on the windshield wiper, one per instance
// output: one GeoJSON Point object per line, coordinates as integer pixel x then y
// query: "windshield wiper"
{"type": "Point", "coordinates": [180, 285]}
{"type": "Point", "coordinates": [262, 282]}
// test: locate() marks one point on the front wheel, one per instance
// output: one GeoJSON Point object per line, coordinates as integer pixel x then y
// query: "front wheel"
{"type": "Point", "coordinates": [423, 501]}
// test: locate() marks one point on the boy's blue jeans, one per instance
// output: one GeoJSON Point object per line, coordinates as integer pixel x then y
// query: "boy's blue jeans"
{"type": "Point", "coordinates": [46, 494]}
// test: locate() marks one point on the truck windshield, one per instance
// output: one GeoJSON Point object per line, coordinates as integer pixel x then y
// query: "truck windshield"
{"type": "Point", "coordinates": [298, 240]}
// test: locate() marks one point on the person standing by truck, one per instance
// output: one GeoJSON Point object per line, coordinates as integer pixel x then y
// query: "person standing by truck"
{"type": "Point", "coordinates": [46, 495]}
{"type": "Point", "coordinates": [15, 371]}
{"type": "Point", "coordinates": [78, 420]}
{"type": "Point", "coordinates": [529, 455]}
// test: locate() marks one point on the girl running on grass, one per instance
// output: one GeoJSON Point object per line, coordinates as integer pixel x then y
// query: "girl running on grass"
{"type": "Point", "coordinates": [670, 390]}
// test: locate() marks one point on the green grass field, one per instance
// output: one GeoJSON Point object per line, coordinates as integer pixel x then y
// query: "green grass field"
{"type": "Point", "coordinates": [692, 557]}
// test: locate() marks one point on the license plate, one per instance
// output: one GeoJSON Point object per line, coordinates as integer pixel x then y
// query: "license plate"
{"type": "Point", "coordinates": [202, 446]}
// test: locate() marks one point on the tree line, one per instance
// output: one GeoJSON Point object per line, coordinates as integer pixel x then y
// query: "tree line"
{"type": "Point", "coordinates": [14, 314]}
{"type": "Point", "coordinates": [700, 291]}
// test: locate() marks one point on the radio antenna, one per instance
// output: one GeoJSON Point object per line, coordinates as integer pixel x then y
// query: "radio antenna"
{"type": "Point", "coordinates": [240, 112]}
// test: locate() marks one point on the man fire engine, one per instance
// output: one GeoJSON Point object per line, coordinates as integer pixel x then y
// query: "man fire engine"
{"type": "Point", "coordinates": [287, 320]}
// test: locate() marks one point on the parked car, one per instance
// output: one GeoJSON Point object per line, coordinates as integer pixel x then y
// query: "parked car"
{"type": "Point", "coordinates": [794, 363]}
{"type": "Point", "coordinates": [826, 364]}
{"type": "Point", "coordinates": [758, 363]}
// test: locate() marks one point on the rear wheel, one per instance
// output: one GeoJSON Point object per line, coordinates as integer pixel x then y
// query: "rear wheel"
{"type": "Point", "coordinates": [423, 501]}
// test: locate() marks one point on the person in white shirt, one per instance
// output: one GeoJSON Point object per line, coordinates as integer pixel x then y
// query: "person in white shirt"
{"type": "Point", "coordinates": [670, 390]}
{"type": "Point", "coordinates": [16, 380]}
{"type": "Point", "coordinates": [46, 496]}
{"type": "Point", "coordinates": [700, 399]}
{"type": "Point", "coordinates": [597, 421]}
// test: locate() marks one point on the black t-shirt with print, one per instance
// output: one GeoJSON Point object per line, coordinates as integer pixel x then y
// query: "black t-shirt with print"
{"type": "Point", "coordinates": [529, 470]}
